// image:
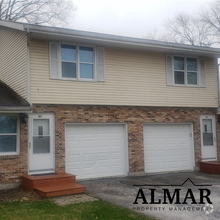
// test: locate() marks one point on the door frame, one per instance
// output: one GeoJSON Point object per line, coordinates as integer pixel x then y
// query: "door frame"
{"type": "Point", "coordinates": [214, 135]}
{"type": "Point", "coordinates": [49, 116]}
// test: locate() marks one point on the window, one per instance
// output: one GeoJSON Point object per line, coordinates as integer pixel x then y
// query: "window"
{"type": "Point", "coordinates": [9, 135]}
{"type": "Point", "coordinates": [185, 71]}
{"type": "Point", "coordinates": [77, 62]}
{"type": "Point", "coordinates": [86, 62]}
{"type": "Point", "coordinates": [68, 61]}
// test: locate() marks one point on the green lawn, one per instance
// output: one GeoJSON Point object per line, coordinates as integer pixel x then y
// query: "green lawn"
{"type": "Point", "coordinates": [46, 209]}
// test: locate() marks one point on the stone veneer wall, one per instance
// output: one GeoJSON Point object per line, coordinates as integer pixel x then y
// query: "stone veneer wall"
{"type": "Point", "coordinates": [12, 167]}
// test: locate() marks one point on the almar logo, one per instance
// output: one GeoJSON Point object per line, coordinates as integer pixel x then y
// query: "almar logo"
{"type": "Point", "coordinates": [190, 198]}
{"type": "Point", "coordinates": [208, 208]}
{"type": "Point", "coordinates": [175, 197]}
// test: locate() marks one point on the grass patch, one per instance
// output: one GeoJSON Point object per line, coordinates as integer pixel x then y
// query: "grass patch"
{"type": "Point", "coordinates": [46, 209]}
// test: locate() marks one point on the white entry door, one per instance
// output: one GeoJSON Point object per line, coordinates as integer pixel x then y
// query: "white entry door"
{"type": "Point", "coordinates": [208, 138]}
{"type": "Point", "coordinates": [41, 143]}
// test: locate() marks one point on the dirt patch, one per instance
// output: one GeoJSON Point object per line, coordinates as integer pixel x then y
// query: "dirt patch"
{"type": "Point", "coordinates": [18, 194]}
{"type": "Point", "coordinates": [70, 199]}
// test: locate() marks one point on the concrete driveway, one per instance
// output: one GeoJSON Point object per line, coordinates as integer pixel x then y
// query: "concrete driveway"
{"type": "Point", "coordinates": [121, 191]}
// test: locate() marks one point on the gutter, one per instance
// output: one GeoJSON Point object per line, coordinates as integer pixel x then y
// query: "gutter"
{"type": "Point", "coordinates": [121, 40]}
{"type": "Point", "coordinates": [12, 109]}
{"type": "Point", "coordinates": [20, 108]}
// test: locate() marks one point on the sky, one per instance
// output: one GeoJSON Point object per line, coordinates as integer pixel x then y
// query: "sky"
{"type": "Point", "coordinates": [134, 18]}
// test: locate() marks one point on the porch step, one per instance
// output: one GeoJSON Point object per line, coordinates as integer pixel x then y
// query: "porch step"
{"type": "Point", "coordinates": [53, 184]}
{"type": "Point", "coordinates": [58, 190]}
{"type": "Point", "coordinates": [31, 182]}
{"type": "Point", "coordinates": [212, 167]}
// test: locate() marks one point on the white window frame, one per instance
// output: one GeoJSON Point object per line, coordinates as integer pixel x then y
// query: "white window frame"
{"type": "Point", "coordinates": [185, 71]}
{"type": "Point", "coordinates": [17, 152]}
{"type": "Point", "coordinates": [78, 62]}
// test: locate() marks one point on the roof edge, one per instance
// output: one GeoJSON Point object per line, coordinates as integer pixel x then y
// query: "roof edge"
{"type": "Point", "coordinates": [125, 40]}
{"type": "Point", "coordinates": [13, 25]}
{"type": "Point", "coordinates": [108, 38]}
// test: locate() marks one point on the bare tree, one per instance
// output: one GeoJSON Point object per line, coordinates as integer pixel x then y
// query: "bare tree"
{"type": "Point", "coordinates": [202, 28]}
{"type": "Point", "coordinates": [210, 17]}
{"type": "Point", "coordinates": [155, 34]}
{"type": "Point", "coordinates": [187, 29]}
{"type": "Point", "coordinates": [51, 12]}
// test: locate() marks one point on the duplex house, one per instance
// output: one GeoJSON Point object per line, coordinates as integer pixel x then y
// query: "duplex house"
{"type": "Point", "coordinates": [99, 105]}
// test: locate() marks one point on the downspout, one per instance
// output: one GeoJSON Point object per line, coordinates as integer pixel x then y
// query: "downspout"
{"type": "Point", "coordinates": [28, 67]}
{"type": "Point", "coordinates": [218, 66]}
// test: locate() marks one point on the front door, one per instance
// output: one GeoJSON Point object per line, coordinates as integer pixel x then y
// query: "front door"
{"type": "Point", "coordinates": [41, 143]}
{"type": "Point", "coordinates": [208, 138]}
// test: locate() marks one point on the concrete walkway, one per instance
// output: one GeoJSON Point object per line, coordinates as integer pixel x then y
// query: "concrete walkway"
{"type": "Point", "coordinates": [121, 191]}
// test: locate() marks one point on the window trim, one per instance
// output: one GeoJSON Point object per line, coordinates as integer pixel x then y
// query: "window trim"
{"type": "Point", "coordinates": [78, 63]}
{"type": "Point", "coordinates": [17, 152]}
{"type": "Point", "coordinates": [185, 71]}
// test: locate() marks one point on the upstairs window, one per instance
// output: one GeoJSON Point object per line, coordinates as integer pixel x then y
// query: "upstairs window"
{"type": "Point", "coordinates": [76, 62]}
{"type": "Point", "coordinates": [185, 71]}
{"type": "Point", "coordinates": [86, 61]}
{"type": "Point", "coordinates": [68, 61]}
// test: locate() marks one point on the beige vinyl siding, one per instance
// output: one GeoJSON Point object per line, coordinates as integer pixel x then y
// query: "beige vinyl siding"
{"type": "Point", "coordinates": [133, 78]}
{"type": "Point", "coordinates": [13, 60]}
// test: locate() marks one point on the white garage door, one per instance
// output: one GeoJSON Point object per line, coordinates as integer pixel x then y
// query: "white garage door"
{"type": "Point", "coordinates": [168, 147]}
{"type": "Point", "coordinates": [96, 150]}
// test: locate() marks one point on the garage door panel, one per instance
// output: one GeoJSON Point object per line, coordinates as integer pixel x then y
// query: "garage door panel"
{"type": "Point", "coordinates": [102, 170]}
{"type": "Point", "coordinates": [87, 143]}
{"type": "Point", "coordinates": [73, 150]}
{"type": "Point", "coordinates": [116, 143]}
{"type": "Point", "coordinates": [100, 150]}
{"type": "Point", "coordinates": [75, 170]}
{"type": "Point", "coordinates": [73, 142]}
{"type": "Point", "coordinates": [76, 165]}
{"type": "Point", "coordinates": [173, 164]}
{"type": "Point", "coordinates": [74, 157]}
{"type": "Point", "coordinates": [183, 140]}
{"type": "Point", "coordinates": [116, 168]}
{"type": "Point", "coordinates": [88, 170]}
{"type": "Point", "coordinates": [159, 141]}
{"type": "Point", "coordinates": [172, 152]}
{"type": "Point", "coordinates": [102, 156]}
{"type": "Point", "coordinates": [117, 155]}
{"type": "Point", "coordinates": [72, 130]}
{"type": "Point", "coordinates": [161, 165]}
{"type": "Point", "coordinates": [167, 145]}
{"type": "Point", "coordinates": [171, 140]}
{"type": "Point", "coordinates": [89, 157]}
{"type": "Point", "coordinates": [87, 130]}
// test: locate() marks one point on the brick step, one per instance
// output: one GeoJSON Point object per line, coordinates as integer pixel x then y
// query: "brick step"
{"type": "Point", "coordinates": [60, 190]}
{"type": "Point", "coordinates": [31, 182]}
